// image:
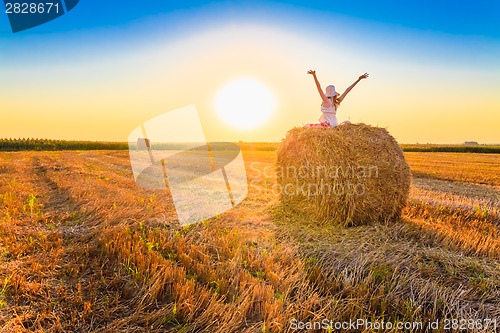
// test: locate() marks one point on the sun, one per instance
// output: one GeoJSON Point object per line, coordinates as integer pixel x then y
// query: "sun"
{"type": "Point", "coordinates": [245, 103]}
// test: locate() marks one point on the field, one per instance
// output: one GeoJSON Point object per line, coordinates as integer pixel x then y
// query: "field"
{"type": "Point", "coordinates": [58, 145]}
{"type": "Point", "coordinates": [82, 248]}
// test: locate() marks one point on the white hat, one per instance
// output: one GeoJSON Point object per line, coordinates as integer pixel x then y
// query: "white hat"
{"type": "Point", "coordinates": [330, 91]}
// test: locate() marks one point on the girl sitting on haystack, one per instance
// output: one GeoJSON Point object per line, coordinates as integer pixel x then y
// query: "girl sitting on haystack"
{"type": "Point", "coordinates": [331, 102]}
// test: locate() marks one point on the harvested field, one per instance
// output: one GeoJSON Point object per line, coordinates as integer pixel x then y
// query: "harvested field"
{"type": "Point", "coordinates": [82, 248]}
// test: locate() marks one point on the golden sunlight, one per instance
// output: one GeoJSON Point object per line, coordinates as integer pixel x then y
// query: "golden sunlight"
{"type": "Point", "coordinates": [245, 103]}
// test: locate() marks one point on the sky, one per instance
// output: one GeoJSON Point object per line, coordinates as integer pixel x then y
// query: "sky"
{"type": "Point", "coordinates": [106, 67]}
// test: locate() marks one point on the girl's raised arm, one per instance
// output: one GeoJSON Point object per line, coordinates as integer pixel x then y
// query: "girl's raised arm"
{"type": "Point", "coordinates": [341, 98]}
{"type": "Point", "coordinates": [321, 93]}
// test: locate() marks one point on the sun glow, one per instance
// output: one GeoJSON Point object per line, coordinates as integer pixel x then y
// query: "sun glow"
{"type": "Point", "coordinates": [245, 103]}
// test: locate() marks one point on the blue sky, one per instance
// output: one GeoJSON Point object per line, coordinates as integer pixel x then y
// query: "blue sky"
{"type": "Point", "coordinates": [470, 31]}
{"type": "Point", "coordinates": [479, 18]}
{"type": "Point", "coordinates": [456, 31]}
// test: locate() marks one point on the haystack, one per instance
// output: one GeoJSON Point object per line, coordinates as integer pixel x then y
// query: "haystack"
{"type": "Point", "coordinates": [350, 174]}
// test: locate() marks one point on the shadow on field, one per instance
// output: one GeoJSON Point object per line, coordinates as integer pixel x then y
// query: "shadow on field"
{"type": "Point", "coordinates": [394, 271]}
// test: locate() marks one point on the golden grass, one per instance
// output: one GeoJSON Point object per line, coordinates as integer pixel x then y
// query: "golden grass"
{"type": "Point", "coordinates": [471, 168]}
{"type": "Point", "coordinates": [83, 249]}
{"type": "Point", "coordinates": [458, 197]}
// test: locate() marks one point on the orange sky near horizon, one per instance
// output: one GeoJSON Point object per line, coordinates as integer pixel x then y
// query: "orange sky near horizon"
{"type": "Point", "coordinates": [99, 98]}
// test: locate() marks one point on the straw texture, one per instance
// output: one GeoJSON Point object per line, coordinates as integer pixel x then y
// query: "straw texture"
{"type": "Point", "coordinates": [351, 174]}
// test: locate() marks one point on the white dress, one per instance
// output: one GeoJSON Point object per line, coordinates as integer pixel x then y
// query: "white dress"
{"type": "Point", "coordinates": [329, 114]}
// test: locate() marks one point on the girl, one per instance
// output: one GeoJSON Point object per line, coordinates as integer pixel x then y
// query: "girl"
{"type": "Point", "coordinates": [331, 102]}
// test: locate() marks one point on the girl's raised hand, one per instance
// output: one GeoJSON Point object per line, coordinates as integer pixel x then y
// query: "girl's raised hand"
{"type": "Point", "coordinates": [364, 76]}
{"type": "Point", "coordinates": [312, 72]}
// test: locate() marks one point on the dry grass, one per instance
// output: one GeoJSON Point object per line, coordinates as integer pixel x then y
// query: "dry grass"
{"type": "Point", "coordinates": [83, 249]}
{"type": "Point", "coordinates": [397, 271]}
{"type": "Point", "coordinates": [449, 196]}
{"type": "Point", "coordinates": [471, 168]}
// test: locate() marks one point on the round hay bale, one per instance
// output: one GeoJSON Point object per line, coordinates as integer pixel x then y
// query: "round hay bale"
{"type": "Point", "coordinates": [350, 174]}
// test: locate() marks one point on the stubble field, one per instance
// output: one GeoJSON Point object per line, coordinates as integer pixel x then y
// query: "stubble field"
{"type": "Point", "coordinates": [82, 248]}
